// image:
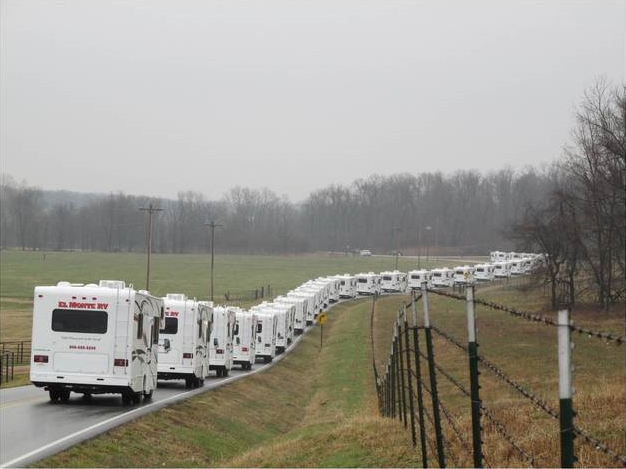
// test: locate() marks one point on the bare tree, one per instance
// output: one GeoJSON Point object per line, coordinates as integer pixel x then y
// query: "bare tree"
{"type": "Point", "coordinates": [597, 164]}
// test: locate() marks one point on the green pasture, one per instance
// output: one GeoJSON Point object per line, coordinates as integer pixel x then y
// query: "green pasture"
{"type": "Point", "coordinates": [21, 271]}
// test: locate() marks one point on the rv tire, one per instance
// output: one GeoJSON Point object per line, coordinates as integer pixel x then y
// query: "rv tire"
{"type": "Point", "coordinates": [136, 397]}
{"type": "Point", "coordinates": [188, 383]}
{"type": "Point", "coordinates": [225, 372]}
{"type": "Point", "coordinates": [54, 394]}
{"type": "Point", "coordinates": [148, 395]}
{"type": "Point", "coordinates": [64, 394]}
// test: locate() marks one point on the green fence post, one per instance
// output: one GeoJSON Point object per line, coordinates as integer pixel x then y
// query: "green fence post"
{"type": "Point", "coordinates": [420, 397]}
{"type": "Point", "coordinates": [433, 380]}
{"type": "Point", "coordinates": [401, 382]}
{"type": "Point", "coordinates": [474, 386]}
{"type": "Point", "coordinates": [566, 414]}
{"type": "Point", "coordinates": [410, 382]}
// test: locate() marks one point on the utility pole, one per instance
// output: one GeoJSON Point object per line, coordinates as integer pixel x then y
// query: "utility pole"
{"type": "Point", "coordinates": [212, 225]}
{"type": "Point", "coordinates": [397, 230]}
{"type": "Point", "coordinates": [150, 209]}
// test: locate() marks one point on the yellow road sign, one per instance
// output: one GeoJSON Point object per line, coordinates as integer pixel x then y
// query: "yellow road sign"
{"type": "Point", "coordinates": [321, 318]}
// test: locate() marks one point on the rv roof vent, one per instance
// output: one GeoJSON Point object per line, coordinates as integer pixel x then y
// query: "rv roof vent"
{"type": "Point", "coordinates": [63, 283]}
{"type": "Point", "coordinates": [176, 296]}
{"type": "Point", "coordinates": [117, 284]}
{"type": "Point", "coordinates": [91, 285]}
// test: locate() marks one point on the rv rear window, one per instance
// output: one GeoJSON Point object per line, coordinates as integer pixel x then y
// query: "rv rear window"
{"type": "Point", "coordinates": [170, 326]}
{"type": "Point", "coordinates": [78, 320]}
{"type": "Point", "coordinates": [362, 280]}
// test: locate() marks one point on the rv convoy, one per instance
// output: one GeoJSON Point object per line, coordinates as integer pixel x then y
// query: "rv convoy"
{"type": "Point", "coordinates": [110, 338]}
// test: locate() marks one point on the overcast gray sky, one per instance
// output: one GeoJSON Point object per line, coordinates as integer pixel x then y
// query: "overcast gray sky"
{"type": "Point", "coordinates": [153, 97]}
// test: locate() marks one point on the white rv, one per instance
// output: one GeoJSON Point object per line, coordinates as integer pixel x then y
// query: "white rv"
{"type": "Point", "coordinates": [484, 272]}
{"type": "Point", "coordinates": [244, 339]}
{"type": "Point", "coordinates": [417, 277]}
{"type": "Point", "coordinates": [347, 286]}
{"type": "Point", "coordinates": [267, 323]}
{"type": "Point", "coordinates": [322, 292]}
{"type": "Point", "coordinates": [285, 330]}
{"type": "Point", "coordinates": [95, 339]}
{"type": "Point", "coordinates": [333, 286]}
{"type": "Point", "coordinates": [442, 277]}
{"type": "Point", "coordinates": [517, 266]}
{"type": "Point", "coordinates": [463, 275]}
{"type": "Point", "coordinates": [184, 340]}
{"type": "Point", "coordinates": [221, 343]}
{"type": "Point", "coordinates": [394, 281]}
{"type": "Point", "coordinates": [368, 283]}
{"type": "Point", "coordinates": [312, 298]}
{"type": "Point", "coordinates": [281, 311]}
{"type": "Point", "coordinates": [300, 305]}
{"type": "Point", "coordinates": [502, 269]}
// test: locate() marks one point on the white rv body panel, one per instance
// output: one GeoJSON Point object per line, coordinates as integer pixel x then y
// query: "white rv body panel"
{"type": "Point", "coordinates": [282, 322]}
{"type": "Point", "coordinates": [441, 278]}
{"type": "Point", "coordinates": [333, 287]}
{"type": "Point", "coordinates": [321, 294]}
{"type": "Point", "coordinates": [517, 266]}
{"type": "Point", "coordinates": [347, 286]}
{"type": "Point", "coordinates": [502, 269]}
{"type": "Point", "coordinates": [463, 275]}
{"type": "Point", "coordinates": [417, 278]}
{"type": "Point", "coordinates": [299, 313]}
{"type": "Point", "coordinates": [221, 343]}
{"type": "Point", "coordinates": [267, 324]}
{"type": "Point", "coordinates": [95, 339]}
{"type": "Point", "coordinates": [285, 330]}
{"type": "Point", "coordinates": [313, 297]}
{"type": "Point", "coordinates": [244, 339]}
{"type": "Point", "coordinates": [393, 281]}
{"type": "Point", "coordinates": [184, 340]}
{"type": "Point", "coordinates": [309, 307]}
{"type": "Point", "coordinates": [484, 272]}
{"type": "Point", "coordinates": [368, 283]}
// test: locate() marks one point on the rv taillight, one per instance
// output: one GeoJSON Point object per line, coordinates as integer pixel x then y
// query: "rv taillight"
{"type": "Point", "coordinates": [41, 358]}
{"type": "Point", "coordinates": [120, 362]}
{"type": "Point", "coordinates": [244, 349]}
{"type": "Point", "coordinates": [219, 351]}
{"type": "Point", "coordinates": [187, 355]}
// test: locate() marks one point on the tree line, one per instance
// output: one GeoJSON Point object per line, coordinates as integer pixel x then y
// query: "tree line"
{"type": "Point", "coordinates": [462, 213]}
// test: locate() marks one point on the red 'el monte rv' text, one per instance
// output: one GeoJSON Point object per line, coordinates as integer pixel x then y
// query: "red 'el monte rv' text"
{"type": "Point", "coordinates": [79, 305]}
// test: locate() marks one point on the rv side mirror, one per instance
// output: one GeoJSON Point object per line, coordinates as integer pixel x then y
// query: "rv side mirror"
{"type": "Point", "coordinates": [166, 344]}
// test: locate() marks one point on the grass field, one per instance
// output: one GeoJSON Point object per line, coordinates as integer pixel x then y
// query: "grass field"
{"type": "Point", "coordinates": [318, 408]}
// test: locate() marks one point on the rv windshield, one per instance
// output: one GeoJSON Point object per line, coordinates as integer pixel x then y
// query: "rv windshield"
{"type": "Point", "coordinates": [76, 320]}
{"type": "Point", "coordinates": [170, 326]}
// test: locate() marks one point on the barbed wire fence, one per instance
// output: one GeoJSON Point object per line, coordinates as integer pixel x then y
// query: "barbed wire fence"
{"type": "Point", "coordinates": [438, 396]}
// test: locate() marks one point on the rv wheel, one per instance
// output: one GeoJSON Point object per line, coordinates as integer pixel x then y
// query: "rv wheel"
{"type": "Point", "coordinates": [65, 395]}
{"type": "Point", "coordinates": [126, 397]}
{"type": "Point", "coordinates": [188, 383]}
{"type": "Point", "coordinates": [136, 397]}
{"type": "Point", "coordinates": [54, 394]}
{"type": "Point", "coordinates": [148, 395]}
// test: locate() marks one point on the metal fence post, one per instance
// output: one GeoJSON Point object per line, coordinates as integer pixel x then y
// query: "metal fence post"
{"type": "Point", "coordinates": [433, 380]}
{"type": "Point", "coordinates": [474, 386]}
{"type": "Point", "coordinates": [566, 414]}
{"type": "Point", "coordinates": [401, 374]}
{"type": "Point", "coordinates": [420, 397]}
{"type": "Point", "coordinates": [392, 382]}
{"type": "Point", "coordinates": [410, 382]}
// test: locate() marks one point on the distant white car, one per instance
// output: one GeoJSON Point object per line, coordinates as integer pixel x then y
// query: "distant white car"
{"type": "Point", "coordinates": [365, 252]}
